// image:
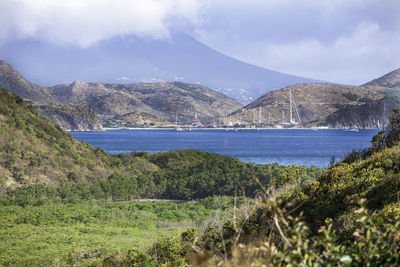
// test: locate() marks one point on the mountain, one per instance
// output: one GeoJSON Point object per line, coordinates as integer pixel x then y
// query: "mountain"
{"type": "Point", "coordinates": [10, 78]}
{"type": "Point", "coordinates": [324, 104]}
{"type": "Point", "coordinates": [132, 59]}
{"type": "Point", "coordinates": [392, 80]}
{"type": "Point", "coordinates": [164, 100]}
{"type": "Point", "coordinates": [71, 118]}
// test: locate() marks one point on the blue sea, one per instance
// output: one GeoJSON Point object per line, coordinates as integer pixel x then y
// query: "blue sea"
{"type": "Point", "coordinates": [284, 146]}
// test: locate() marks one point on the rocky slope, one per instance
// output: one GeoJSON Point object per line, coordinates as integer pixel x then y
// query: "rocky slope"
{"type": "Point", "coordinates": [325, 104]}
{"type": "Point", "coordinates": [136, 120]}
{"type": "Point", "coordinates": [71, 118]}
{"type": "Point", "coordinates": [162, 99]}
{"type": "Point", "coordinates": [392, 80]}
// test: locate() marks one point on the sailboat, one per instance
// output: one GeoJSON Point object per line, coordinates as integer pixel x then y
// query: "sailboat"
{"type": "Point", "coordinates": [292, 109]}
{"type": "Point", "coordinates": [177, 128]}
{"type": "Point", "coordinates": [283, 119]}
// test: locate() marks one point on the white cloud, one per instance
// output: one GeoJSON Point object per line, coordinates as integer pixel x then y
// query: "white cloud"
{"type": "Point", "coordinates": [344, 41]}
{"type": "Point", "coordinates": [353, 59]}
{"type": "Point", "coordinates": [85, 22]}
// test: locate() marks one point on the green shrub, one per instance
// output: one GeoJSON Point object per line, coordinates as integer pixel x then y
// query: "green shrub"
{"type": "Point", "coordinates": [133, 258]}
{"type": "Point", "coordinates": [173, 252]}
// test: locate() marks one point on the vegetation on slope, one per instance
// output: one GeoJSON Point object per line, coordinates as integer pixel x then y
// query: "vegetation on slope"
{"type": "Point", "coordinates": [177, 175]}
{"type": "Point", "coordinates": [34, 150]}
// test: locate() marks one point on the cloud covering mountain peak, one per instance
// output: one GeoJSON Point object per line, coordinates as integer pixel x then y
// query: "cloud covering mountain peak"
{"type": "Point", "coordinates": [86, 22]}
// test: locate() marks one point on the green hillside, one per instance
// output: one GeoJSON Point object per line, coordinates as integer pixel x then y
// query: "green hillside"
{"type": "Point", "coordinates": [34, 150]}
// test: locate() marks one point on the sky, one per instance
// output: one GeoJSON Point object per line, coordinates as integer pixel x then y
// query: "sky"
{"type": "Point", "coordinates": [341, 41]}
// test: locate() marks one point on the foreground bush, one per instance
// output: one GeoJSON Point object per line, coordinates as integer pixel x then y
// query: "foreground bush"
{"type": "Point", "coordinates": [132, 258]}
{"type": "Point", "coordinates": [286, 241]}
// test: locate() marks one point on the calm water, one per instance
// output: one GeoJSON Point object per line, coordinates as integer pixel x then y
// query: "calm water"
{"type": "Point", "coordinates": [286, 147]}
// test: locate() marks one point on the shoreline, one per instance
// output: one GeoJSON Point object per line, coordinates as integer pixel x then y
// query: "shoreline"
{"type": "Point", "coordinates": [231, 129]}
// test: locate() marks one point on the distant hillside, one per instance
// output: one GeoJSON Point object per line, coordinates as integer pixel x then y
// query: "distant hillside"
{"type": "Point", "coordinates": [132, 59]}
{"type": "Point", "coordinates": [392, 80]}
{"type": "Point", "coordinates": [71, 118]}
{"type": "Point", "coordinates": [163, 100]}
{"type": "Point", "coordinates": [137, 119]}
{"type": "Point", "coordinates": [324, 105]}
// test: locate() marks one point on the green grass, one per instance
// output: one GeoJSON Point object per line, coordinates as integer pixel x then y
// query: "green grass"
{"type": "Point", "coordinates": [86, 232]}
{"type": "Point", "coordinates": [30, 245]}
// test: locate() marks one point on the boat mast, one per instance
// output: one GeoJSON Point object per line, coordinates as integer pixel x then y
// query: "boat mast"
{"type": "Point", "coordinates": [259, 115]}
{"type": "Point", "coordinates": [290, 107]}
{"type": "Point", "coordinates": [293, 105]}
{"type": "Point", "coordinates": [295, 109]}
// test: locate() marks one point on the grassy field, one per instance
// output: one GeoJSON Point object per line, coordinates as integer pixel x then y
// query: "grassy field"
{"type": "Point", "coordinates": [85, 232]}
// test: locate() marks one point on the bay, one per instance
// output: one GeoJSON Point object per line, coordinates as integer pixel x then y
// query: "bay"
{"type": "Point", "coordinates": [284, 146]}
